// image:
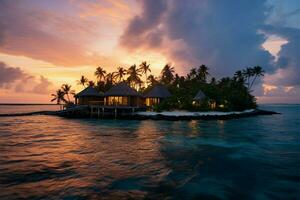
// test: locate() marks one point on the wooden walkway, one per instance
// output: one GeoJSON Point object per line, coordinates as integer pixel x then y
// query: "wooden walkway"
{"type": "Point", "coordinates": [101, 111]}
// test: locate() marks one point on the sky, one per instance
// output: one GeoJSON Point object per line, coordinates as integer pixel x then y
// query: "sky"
{"type": "Point", "coordinates": [45, 43]}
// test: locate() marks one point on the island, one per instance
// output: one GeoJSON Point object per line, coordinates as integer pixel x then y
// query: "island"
{"type": "Point", "coordinates": [134, 94]}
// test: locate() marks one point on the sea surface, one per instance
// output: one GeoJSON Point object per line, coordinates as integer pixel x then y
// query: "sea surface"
{"type": "Point", "coordinates": [48, 157]}
{"type": "Point", "coordinates": [15, 109]}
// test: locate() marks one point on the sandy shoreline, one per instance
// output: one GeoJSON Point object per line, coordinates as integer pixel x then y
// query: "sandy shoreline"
{"type": "Point", "coordinates": [166, 115]}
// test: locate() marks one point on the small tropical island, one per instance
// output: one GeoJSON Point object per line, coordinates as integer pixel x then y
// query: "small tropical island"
{"type": "Point", "coordinates": [133, 93]}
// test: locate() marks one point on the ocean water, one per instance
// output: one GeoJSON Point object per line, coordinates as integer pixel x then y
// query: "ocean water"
{"type": "Point", "coordinates": [14, 109]}
{"type": "Point", "coordinates": [48, 157]}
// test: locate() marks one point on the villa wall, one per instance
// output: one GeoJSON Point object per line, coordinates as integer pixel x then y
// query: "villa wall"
{"type": "Point", "coordinates": [90, 100]}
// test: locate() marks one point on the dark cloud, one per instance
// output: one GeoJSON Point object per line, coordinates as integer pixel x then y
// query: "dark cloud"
{"type": "Point", "coordinates": [9, 74]}
{"type": "Point", "coordinates": [288, 63]}
{"type": "Point", "coordinates": [225, 35]}
{"type": "Point", "coordinates": [17, 80]}
{"type": "Point", "coordinates": [144, 29]}
{"type": "Point", "coordinates": [222, 34]}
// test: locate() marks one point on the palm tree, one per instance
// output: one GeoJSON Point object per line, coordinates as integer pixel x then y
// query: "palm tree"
{"type": "Point", "coordinates": [100, 73]}
{"type": "Point", "coordinates": [167, 74]}
{"type": "Point", "coordinates": [248, 73]}
{"type": "Point", "coordinates": [67, 90]}
{"type": "Point", "coordinates": [59, 96]}
{"type": "Point", "coordinates": [120, 73]}
{"type": "Point", "coordinates": [238, 76]}
{"type": "Point", "coordinates": [192, 74]}
{"type": "Point", "coordinates": [257, 72]}
{"type": "Point", "coordinates": [134, 76]}
{"type": "Point", "coordinates": [203, 73]}
{"type": "Point", "coordinates": [144, 68]}
{"type": "Point", "coordinates": [213, 81]}
{"type": "Point", "coordinates": [91, 83]}
{"type": "Point", "coordinates": [151, 80]}
{"type": "Point", "coordinates": [83, 80]}
{"type": "Point", "coordinates": [110, 78]}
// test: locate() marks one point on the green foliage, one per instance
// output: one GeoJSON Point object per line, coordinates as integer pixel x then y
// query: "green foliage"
{"type": "Point", "coordinates": [225, 94]}
{"type": "Point", "coordinates": [228, 93]}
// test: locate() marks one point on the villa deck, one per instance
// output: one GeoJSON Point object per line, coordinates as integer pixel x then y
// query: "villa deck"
{"type": "Point", "coordinates": [101, 111]}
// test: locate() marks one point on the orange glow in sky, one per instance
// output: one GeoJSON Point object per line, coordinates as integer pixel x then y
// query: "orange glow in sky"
{"type": "Point", "coordinates": [49, 43]}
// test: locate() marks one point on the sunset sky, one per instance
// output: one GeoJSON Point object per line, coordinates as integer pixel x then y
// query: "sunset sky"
{"type": "Point", "coordinates": [45, 43]}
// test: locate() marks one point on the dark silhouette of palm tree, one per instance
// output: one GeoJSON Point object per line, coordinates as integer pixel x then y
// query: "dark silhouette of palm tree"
{"type": "Point", "coordinates": [110, 78]}
{"type": "Point", "coordinates": [193, 74]}
{"type": "Point", "coordinates": [167, 74]}
{"type": "Point", "coordinates": [203, 73]}
{"type": "Point", "coordinates": [257, 71]}
{"type": "Point", "coordinates": [120, 74]}
{"type": "Point", "coordinates": [247, 73]}
{"type": "Point", "coordinates": [91, 83]}
{"type": "Point", "coordinates": [145, 68]}
{"type": "Point", "coordinates": [151, 80]}
{"type": "Point", "coordinates": [67, 90]}
{"type": "Point", "coordinates": [134, 76]}
{"type": "Point", "coordinates": [59, 96]}
{"type": "Point", "coordinates": [238, 76]}
{"type": "Point", "coordinates": [213, 81]}
{"type": "Point", "coordinates": [83, 81]}
{"type": "Point", "coordinates": [100, 73]}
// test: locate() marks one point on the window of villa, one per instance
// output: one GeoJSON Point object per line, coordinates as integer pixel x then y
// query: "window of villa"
{"type": "Point", "coordinates": [117, 100]}
{"type": "Point", "coordinates": [152, 101]}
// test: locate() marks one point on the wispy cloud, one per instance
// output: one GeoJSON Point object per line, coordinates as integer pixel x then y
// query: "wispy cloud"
{"type": "Point", "coordinates": [63, 38]}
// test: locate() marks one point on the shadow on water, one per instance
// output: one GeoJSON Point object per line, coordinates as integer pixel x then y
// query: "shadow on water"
{"type": "Point", "coordinates": [253, 158]}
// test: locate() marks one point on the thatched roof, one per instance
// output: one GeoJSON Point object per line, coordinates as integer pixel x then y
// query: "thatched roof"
{"type": "Point", "coordinates": [199, 96]}
{"type": "Point", "coordinates": [121, 89]}
{"type": "Point", "coordinates": [158, 91]}
{"type": "Point", "coordinates": [89, 92]}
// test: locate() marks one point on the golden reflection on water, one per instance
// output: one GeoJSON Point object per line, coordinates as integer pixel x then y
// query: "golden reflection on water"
{"type": "Point", "coordinates": [46, 157]}
{"type": "Point", "coordinates": [194, 128]}
{"type": "Point", "coordinates": [221, 125]}
{"type": "Point", "coordinates": [80, 154]}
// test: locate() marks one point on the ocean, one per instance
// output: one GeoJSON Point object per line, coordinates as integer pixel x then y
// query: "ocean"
{"type": "Point", "coordinates": [48, 157]}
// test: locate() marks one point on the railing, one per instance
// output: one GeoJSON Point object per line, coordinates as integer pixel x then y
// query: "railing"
{"type": "Point", "coordinates": [99, 103]}
{"type": "Point", "coordinates": [114, 111]}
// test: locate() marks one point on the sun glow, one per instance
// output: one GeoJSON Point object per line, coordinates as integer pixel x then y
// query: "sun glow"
{"type": "Point", "coordinates": [269, 88]}
{"type": "Point", "coordinates": [156, 60]}
{"type": "Point", "coordinates": [273, 45]}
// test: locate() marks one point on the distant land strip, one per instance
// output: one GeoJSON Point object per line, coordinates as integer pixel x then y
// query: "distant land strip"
{"type": "Point", "coordinates": [28, 104]}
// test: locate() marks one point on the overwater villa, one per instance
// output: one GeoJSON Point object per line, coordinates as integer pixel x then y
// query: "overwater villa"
{"type": "Point", "coordinates": [199, 98]}
{"type": "Point", "coordinates": [89, 96]}
{"type": "Point", "coordinates": [122, 95]}
{"type": "Point", "coordinates": [226, 94]}
{"type": "Point", "coordinates": [156, 95]}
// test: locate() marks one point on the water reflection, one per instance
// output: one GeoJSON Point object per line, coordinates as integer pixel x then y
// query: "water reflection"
{"type": "Point", "coordinates": [69, 155]}
{"type": "Point", "coordinates": [114, 159]}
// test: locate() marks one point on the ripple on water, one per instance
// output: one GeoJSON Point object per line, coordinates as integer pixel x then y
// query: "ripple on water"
{"type": "Point", "coordinates": [47, 157]}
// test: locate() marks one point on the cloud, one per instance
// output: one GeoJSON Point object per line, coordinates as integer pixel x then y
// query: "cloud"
{"type": "Point", "coordinates": [221, 34]}
{"type": "Point", "coordinates": [9, 74]}
{"type": "Point", "coordinates": [143, 30]}
{"type": "Point", "coordinates": [288, 64]}
{"type": "Point", "coordinates": [15, 79]}
{"type": "Point", "coordinates": [52, 31]}
{"type": "Point", "coordinates": [225, 35]}
{"type": "Point", "coordinates": [35, 85]}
